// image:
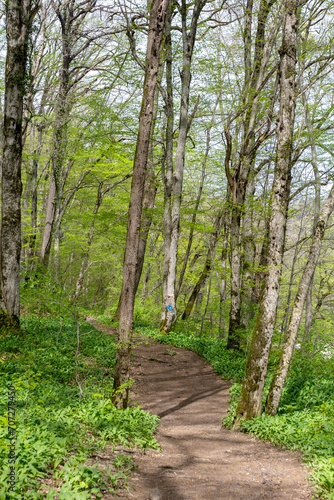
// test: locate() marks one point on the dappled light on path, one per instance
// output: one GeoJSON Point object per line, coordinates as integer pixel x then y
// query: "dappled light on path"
{"type": "Point", "coordinates": [199, 458]}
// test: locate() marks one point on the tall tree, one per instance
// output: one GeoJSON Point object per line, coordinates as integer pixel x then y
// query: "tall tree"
{"type": "Point", "coordinates": [250, 401]}
{"type": "Point", "coordinates": [255, 80]}
{"type": "Point", "coordinates": [77, 36]}
{"type": "Point", "coordinates": [19, 19]}
{"type": "Point", "coordinates": [198, 199]}
{"type": "Point", "coordinates": [121, 373]}
{"type": "Point", "coordinates": [173, 193]}
{"type": "Point", "coordinates": [277, 384]}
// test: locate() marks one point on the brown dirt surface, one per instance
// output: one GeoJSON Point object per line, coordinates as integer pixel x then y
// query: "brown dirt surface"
{"type": "Point", "coordinates": [200, 459]}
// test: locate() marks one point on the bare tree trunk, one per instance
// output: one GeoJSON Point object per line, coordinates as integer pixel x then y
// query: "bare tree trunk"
{"type": "Point", "coordinates": [207, 266]}
{"type": "Point", "coordinates": [254, 77]}
{"type": "Point", "coordinates": [191, 233]}
{"type": "Point", "coordinates": [169, 313]}
{"type": "Point", "coordinates": [233, 340]}
{"type": "Point", "coordinates": [1, 132]}
{"type": "Point", "coordinates": [49, 220]}
{"type": "Point", "coordinates": [154, 41]}
{"type": "Point", "coordinates": [222, 284]}
{"type": "Point", "coordinates": [19, 17]}
{"type": "Point", "coordinates": [26, 196]}
{"type": "Point", "coordinates": [148, 204]}
{"type": "Point", "coordinates": [33, 211]}
{"type": "Point", "coordinates": [148, 269]}
{"type": "Point", "coordinates": [60, 202]}
{"type": "Point", "coordinates": [248, 258]}
{"type": "Point", "coordinates": [277, 384]}
{"type": "Point", "coordinates": [250, 401]}
{"type": "Point", "coordinates": [292, 275]}
{"type": "Point", "coordinates": [262, 267]}
{"type": "Point", "coordinates": [167, 167]}
{"type": "Point", "coordinates": [198, 199]}
{"type": "Point", "coordinates": [150, 191]}
{"type": "Point", "coordinates": [314, 161]}
{"type": "Point", "coordinates": [58, 155]}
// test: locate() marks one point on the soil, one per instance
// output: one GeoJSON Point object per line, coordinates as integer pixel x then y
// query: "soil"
{"type": "Point", "coordinates": [200, 459]}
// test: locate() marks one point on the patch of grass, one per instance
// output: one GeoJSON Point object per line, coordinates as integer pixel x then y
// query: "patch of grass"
{"type": "Point", "coordinates": [57, 431]}
{"type": "Point", "coordinates": [234, 395]}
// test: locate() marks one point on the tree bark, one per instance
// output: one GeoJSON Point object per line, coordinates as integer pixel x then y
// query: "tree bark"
{"type": "Point", "coordinates": [207, 266]}
{"type": "Point", "coordinates": [59, 147]}
{"type": "Point", "coordinates": [58, 154]}
{"type": "Point", "coordinates": [33, 212]}
{"type": "Point", "coordinates": [167, 166]}
{"type": "Point", "coordinates": [254, 77]}
{"type": "Point", "coordinates": [147, 276]}
{"type": "Point", "coordinates": [262, 266]}
{"type": "Point", "coordinates": [277, 384]}
{"type": "Point", "coordinates": [250, 402]}
{"type": "Point", "coordinates": [314, 162]}
{"type": "Point", "coordinates": [292, 274]}
{"type": "Point", "coordinates": [169, 313]}
{"type": "Point", "coordinates": [198, 199]}
{"type": "Point", "coordinates": [150, 191]}
{"type": "Point", "coordinates": [248, 259]}
{"type": "Point", "coordinates": [154, 41]}
{"type": "Point", "coordinates": [19, 17]}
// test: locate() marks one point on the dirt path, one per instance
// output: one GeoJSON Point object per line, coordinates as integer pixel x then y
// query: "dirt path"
{"type": "Point", "coordinates": [199, 458]}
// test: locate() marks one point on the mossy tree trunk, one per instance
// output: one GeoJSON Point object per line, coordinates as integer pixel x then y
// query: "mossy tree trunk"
{"type": "Point", "coordinates": [244, 168]}
{"type": "Point", "coordinates": [19, 17]}
{"type": "Point", "coordinates": [150, 191]}
{"type": "Point", "coordinates": [248, 261]}
{"type": "Point", "coordinates": [277, 384]}
{"type": "Point", "coordinates": [122, 365]}
{"type": "Point", "coordinates": [168, 310]}
{"type": "Point", "coordinates": [250, 401]}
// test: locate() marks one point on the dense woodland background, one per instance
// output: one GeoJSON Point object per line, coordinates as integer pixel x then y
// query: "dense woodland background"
{"type": "Point", "coordinates": [98, 137]}
{"type": "Point", "coordinates": [214, 151]}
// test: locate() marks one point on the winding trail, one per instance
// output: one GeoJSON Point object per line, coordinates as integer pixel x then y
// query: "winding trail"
{"type": "Point", "coordinates": [199, 458]}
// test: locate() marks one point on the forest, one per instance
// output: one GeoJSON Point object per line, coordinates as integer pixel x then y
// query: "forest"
{"type": "Point", "coordinates": [166, 171]}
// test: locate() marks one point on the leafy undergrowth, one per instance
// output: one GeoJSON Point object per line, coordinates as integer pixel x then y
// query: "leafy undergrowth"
{"type": "Point", "coordinates": [306, 417]}
{"type": "Point", "coordinates": [309, 429]}
{"type": "Point", "coordinates": [311, 432]}
{"type": "Point", "coordinates": [63, 413]}
{"type": "Point", "coordinates": [228, 364]}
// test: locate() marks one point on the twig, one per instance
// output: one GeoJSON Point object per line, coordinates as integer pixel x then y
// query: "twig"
{"type": "Point", "coordinates": [76, 360]}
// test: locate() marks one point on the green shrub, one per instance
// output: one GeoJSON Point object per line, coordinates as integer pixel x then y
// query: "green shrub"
{"type": "Point", "coordinates": [58, 427]}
